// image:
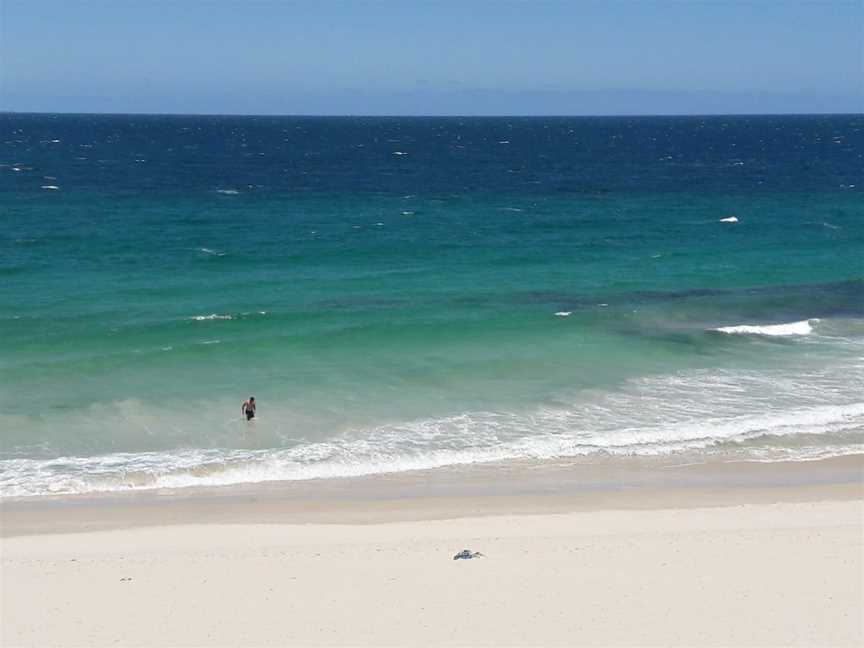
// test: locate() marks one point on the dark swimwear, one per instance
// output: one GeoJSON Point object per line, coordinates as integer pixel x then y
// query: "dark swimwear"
{"type": "Point", "coordinates": [250, 414]}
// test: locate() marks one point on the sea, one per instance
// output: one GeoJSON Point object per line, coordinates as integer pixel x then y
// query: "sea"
{"type": "Point", "coordinates": [404, 294]}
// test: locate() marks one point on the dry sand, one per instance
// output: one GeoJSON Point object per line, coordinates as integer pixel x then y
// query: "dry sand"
{"type": "Point", "coordinates": [760, 573]}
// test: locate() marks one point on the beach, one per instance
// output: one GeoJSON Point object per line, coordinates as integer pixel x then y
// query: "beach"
{"type": "Point", "coordinates": [741, 562]}
{"type": "Point", "coordinates": [620, 357]}
{"type": "Point", "coordinates": [389, 324]}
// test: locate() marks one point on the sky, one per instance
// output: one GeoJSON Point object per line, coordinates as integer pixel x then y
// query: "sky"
{"type": "Point", "coordinates": [450, 57]}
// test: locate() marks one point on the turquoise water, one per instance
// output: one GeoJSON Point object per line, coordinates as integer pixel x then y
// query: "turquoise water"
{"type": "Point", "coordinates": [418, 293]}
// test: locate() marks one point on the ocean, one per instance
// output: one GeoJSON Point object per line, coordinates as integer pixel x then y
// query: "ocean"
{"type": "Point", "coordinates": [422, 293]}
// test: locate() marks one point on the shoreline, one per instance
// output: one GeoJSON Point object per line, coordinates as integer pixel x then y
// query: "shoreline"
{"type": "Point", "coordinates": [483, 490]}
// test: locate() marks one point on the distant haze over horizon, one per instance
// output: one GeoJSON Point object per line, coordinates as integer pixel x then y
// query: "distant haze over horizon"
{"type": "Point", "coordinates": [447, 58]}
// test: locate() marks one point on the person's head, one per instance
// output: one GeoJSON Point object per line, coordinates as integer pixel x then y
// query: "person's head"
{"type": "Point", "coordinates": [251, 399]}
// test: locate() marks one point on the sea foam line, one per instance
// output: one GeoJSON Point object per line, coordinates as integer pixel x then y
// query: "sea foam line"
{"type": "Point", "coordinates": [761, 414]}
{"type": "Point", "coordinates": [472, 439]}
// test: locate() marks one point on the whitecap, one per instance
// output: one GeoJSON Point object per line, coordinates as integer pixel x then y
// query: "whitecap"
{"type": "Point", "coordinates": [563, 313]}
{"type": "Point", "coordinates": [228, 192]}
{"type": "Point", "coordinates": [51, 187]}
{"type": "Point", "coordinates": [212, 316]}
{"type": "Point", "coordinates": [399, 153]}
{"type": "Point", "coordinates": [211, 252]}
{"type": "Point", "coordinates": [729, 219]}
{"type": "Point", "coordinates": [804, 327]}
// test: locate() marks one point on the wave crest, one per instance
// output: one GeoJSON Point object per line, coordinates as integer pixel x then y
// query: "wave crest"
{"type": "Point", "coordinates": [804, 327]}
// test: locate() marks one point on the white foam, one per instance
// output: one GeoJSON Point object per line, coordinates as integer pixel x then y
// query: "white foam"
{"type": "Point", "coordinates": [51, 187]}
{"type": "Point", "coordinates": [563, 313]}
{"type": "Point", "coordinates": [399, 153]}
{"type": "Point", "coordinates": [211, 252]}
{"type": "Point", "coordinates": [804, 327]}
{"type": "Point", "coordinates": [212, 316]}
{"type": "Point", "coordinates": [228, 192]}
{"type": "Point", "coordinates": [729, 219]}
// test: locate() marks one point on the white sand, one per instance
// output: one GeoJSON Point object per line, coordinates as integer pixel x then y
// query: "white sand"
{"type": "Point", "coordinates": [755, 574]}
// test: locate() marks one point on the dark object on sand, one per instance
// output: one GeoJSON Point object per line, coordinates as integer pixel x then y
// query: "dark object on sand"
{"type": "Point", "coordinates": [467, 554]}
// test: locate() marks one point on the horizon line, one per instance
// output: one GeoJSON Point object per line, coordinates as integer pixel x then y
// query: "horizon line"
{"type": "Point", "coordinates": [435, 116]}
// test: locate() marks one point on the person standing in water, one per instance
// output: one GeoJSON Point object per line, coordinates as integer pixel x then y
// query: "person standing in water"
{"type": "Point", "coordinates": [249, 408]}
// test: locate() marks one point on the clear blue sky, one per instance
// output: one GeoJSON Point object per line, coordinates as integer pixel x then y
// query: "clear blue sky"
{"type": "Point", "coordinates": [466, 57]}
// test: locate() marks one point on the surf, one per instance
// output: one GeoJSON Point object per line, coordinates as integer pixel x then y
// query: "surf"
{"type": "Point", "coordinates": [690, 416]}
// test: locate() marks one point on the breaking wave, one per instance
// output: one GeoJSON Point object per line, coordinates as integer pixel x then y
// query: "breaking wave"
{"type": "Point", "coordinates": [804, 327]}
